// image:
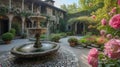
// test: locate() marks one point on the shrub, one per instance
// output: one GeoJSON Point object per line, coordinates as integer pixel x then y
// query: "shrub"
{"type": "Point", "coordinates": [7, 36]}
{"type": "Point", "coordinates": [83, 40]}
{"type": "Point", "coordinates": [55, 38]}
{"type": "Point", "coordinates": [63, 34]}
{"type": "Point", "coordinates": [70, 33]}
{"type": "Point", "coordinates": [16, 26]}
{"type": "Point", "coordinates": [73, 39]}
{"type": "Point", "coordinates": [13, 31]}
{"type": "Point", "coordinates": [23, 35]}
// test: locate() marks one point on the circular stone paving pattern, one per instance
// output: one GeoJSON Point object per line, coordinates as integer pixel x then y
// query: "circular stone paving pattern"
{"type": "Point", "coordinates": [63, 58]}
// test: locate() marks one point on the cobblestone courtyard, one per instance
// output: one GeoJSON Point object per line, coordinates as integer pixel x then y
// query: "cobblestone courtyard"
{"type": "Point", "coordinates": [80, 53]}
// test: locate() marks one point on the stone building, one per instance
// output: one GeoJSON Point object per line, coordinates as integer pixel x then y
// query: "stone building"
{"type": "Point", "coordinates": [15, 13]}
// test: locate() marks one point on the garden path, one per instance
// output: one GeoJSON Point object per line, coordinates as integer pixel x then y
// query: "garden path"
{"type": "Point", "coordinates": [81, 53]}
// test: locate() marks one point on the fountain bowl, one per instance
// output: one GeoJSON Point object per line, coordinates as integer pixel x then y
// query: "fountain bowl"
{"type": "Point", "coordinates": [28, 51]}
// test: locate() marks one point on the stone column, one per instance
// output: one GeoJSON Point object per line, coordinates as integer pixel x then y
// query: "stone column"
{"type": "Point", "coordinates": [22, 4]}
{"type": "Point", "coordinates": [84, 28]}
{"type": "Point", "coordinates": [10, 6]}
{"type": "Point", "coordinates": [76, 28]}
{"type": "Point", "coordinates": [32, 7]}
{"type": "Point", "coordinates": [10, 16]}
{"type": "Point", "coordinates": [48, 31]}
{"type": "Point", "coordinates": [23, 26]}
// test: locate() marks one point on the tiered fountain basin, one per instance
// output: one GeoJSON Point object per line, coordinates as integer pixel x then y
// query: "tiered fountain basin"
{"type": "Point", "coordinates": [28, 51]}
{"type": "Point", "coordinates": [32, 31]}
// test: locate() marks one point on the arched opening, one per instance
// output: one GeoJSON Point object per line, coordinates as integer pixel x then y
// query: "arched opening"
{"type": "Point", "coordinates": [28, 23]}
{"type": "Point", "coordinates": [17, 24]}
{"type": "Point", "coordinates": [4, 24]}
{"type": "Point", "coordinates": [80, 28]}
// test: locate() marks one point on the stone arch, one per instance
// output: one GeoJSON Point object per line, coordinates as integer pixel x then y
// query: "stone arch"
{"type": "Point", "coordinates": [4, 24]}
{"type": "Point", "coordinates": [17, 24]}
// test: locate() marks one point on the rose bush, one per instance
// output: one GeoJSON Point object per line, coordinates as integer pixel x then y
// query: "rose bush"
{"type": "Point", "coordinates": [93, 57]}
{"type": "Point", "coordinates": [115, 22]}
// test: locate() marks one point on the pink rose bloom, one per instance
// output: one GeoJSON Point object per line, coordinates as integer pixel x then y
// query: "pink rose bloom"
{"type": "Point", "coordinates": [103, 21]}
{"type": "Point", "coordinates": [93, 16]}
{"type": "Point", "coordinates": [113, 10]}
{"type": "Point", "coordinates": [112, 49]}
{"type": "Point", "coordinates": [118, 2]}
{"type": "Point", "coordinates": [103, 32]}
{"type": "Point", "coordinates": [109, 36]}
{"type": "Point", "coordinates": [115, 22]}
{"type": "Point", "coordinates": [93, 57]}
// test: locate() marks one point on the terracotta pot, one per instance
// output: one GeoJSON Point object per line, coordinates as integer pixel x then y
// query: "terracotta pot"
{"type": "Point", "coordinates": [72, 43]}
{"type": "Point", "coordinates": [7, 42]}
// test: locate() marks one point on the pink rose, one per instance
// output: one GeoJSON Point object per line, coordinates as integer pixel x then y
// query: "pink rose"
{"type": "Point", "coordinates": [113, 10]}
{"type": "Point", "coordinates": [93, 57]}
{"type": "Point", "coordinates": [115, 22]}
{"type": "Point", "coordinates": [112, 49]}
{"type": "Point", "coordinates": [109, 36]}
{"type": "Point", "coordinates": [118, 2]}
{"type": "Point", "coordinates": [103, 21]}
{"type": "Point", "coordinates": [103, 32]}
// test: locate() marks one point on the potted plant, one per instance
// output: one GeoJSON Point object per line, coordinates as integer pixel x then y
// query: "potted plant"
{"type": "Point", "coordinates": [7, 37]}
{"type": "Point", "coordinates": [73, 41]}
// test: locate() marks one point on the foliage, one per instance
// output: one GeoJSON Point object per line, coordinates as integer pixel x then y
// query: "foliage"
{"type": "Point", "coordinates": [70, 33]}
{"type": "Point", "coordinates": [83, 40]}
{"type": "Point", "coordinates": [107, 63]}
{"type": "Point", "coordinates": [105, 12]}
{"type": "Point", "coordinates": [63, 34]}
{"type": "Point", "coordinates": [62, 25]}
{"type": "Point", "coordinates": [25, 13]}
{"type": "Point", "coordinates": [84, 19]}
{"type": "Point", "coordinates": [16, 26]}
{"type": "Point", "coordinates": [55, 38]}
{"type": "Point", "coordinates": [13, 31]}
{"type": "Point", "coordinates": [71, 8]}
{"type": "Point", "coordinates": [7, 36]}
{"type": "Point", "coordinates": [3, 10]}
{"type": "Point", "coordinates": [73, 39]}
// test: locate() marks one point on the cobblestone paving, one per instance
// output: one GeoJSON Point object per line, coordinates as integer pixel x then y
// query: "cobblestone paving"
{"type": "Point", "coordinates": [81, 53]}
{"type": "Point", "coordinates": [63, 58]}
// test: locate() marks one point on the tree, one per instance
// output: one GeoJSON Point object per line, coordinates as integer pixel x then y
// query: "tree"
{"type": "Point", "coordinates": [72, 8]}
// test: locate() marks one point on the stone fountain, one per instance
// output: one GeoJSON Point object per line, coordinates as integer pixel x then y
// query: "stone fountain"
{"type": "Point", "coordinates": [39, 48]}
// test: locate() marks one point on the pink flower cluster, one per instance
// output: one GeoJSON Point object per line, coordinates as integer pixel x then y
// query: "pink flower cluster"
{"type": "Point", "coordinates": [104, 21]}
{"type": "Point", "coordinates": [118, 2]}
{"type": "Point", "coordinates": [93, 57]}
{"type": "Point", "coordinates": [115, 22]}
{"type": "Point", "coordinates": [112, 49]}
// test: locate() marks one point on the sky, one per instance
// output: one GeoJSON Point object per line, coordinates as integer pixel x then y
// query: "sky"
{"type": "Point", "coordinates": [61, 2]}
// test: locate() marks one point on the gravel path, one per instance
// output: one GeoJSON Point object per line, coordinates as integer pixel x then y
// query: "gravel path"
{"type": "Point", "coordinates": [81, 53]}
